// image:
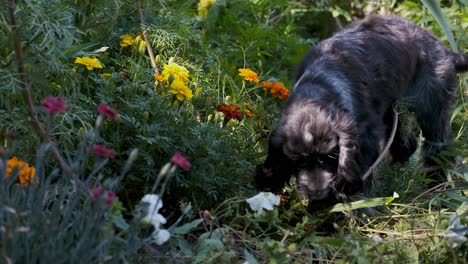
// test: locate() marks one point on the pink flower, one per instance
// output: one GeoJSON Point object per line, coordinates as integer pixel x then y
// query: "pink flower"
{"type": "Point", "coordinates": [109, 198]}
{"type": "Point", "coordinates": [181, 161]}
{"type": "Point", "coordinates": [96, 192]}
{"type": "Point", "coordinates": [103, 151]}
{"type": "Point", "coordinates": [54, 104]}
{"type": "Point", "coordinates": [107, 111]}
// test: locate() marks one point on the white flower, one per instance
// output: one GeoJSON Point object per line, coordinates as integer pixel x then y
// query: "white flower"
{"type": "Point", "coordinates": [263, 200]}
{"type": "Point", "coordinates": [161, 236]}
{"type": "Point", "coordinates": [455, 233]}
{"type": "Point", "coordinates": [153, 217]}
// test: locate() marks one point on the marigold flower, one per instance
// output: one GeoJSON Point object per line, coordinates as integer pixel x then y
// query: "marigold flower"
{"type": "Point", "coordinates": [107, 111]}
{"type": "Point", "coordinates": [283, 199]}
{"type": "Point", "coordinates": [279, 91]}
{"type": "Point", "coordinates": [54, 104]}
{"type": "Point", "coordinates": [230, 111]}
{"type": "Point", "coordinates": [178, 72]}
{"type": "Point", "coordinates": [249, 75]}
{"type": "Point", "coordinates": [106, 75]}
{"type": "Point", "coordinates": [267, 85]}
{"type": "Point", "coordinates": [126, 41]}
{"type": "Point", "coordinates": [158, 77]}
{"type": "Point", "coordinates": [103, 151]}
{"type": "Point", "coordinates": [90, 63]}
{"type": "Point", "coordinates": [182, 162]}
{"type": "Point", "coordinates": [180, 90]}
{"type": "Point", "coordinates": [26, 172]}
{"type": "Point", "coordinates": [248, 113]}
{"type": "Point", "coordinates": [204, 6]}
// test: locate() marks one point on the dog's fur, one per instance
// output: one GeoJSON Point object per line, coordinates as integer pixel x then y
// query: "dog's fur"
{"type": "Point", "coordinates": [339, 113]}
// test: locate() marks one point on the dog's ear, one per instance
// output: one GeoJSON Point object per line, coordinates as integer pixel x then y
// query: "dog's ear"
{"type": "Point", "coordinates": [277, 168]}
{"type": "Point", "coordinates": [348, 173]}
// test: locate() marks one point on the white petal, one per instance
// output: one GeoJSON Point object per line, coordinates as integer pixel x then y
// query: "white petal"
{"type": "Point", "coordinates": [274, 199]}
{"type": "Point", "coordinates": [156, 220]}
{"type": "Point", "coordinates": [263, 200]}
{"type": "Point", "coordinates": [161, 236]}
{"type": "Point", "coordinates": [155, 203]}
{"type": "Point", "coordinates": [255, 202]}
{"type": "Point", "coordinates": [267, 205]}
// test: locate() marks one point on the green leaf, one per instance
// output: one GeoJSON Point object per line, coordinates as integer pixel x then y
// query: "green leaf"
{"type": "Point", "coordinates": [185, 247]}
{"type": "Point", "coordinates": [76, 50]}
{"type": "Point", "coordinates": [120, 223]}
{"type": "Point", "coordinates": [373, 202]}
{"type": "Point", "coordinates": [315, 240]}
{"type": "Point", "coordinates": [249, 257]}
{"type": "Point", "coordinates": [186, 228]}
{"type": "Point", "coordinates": [463, 209]}
{"type": "Point", "coordinates": [436, 10]}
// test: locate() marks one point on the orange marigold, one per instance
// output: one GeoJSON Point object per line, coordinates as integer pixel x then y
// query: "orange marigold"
{"type": "Point", "coordinates": [230, 111]}
{"type": "Point", "coordinates": [26, 172]}
{"type": "Point", "coordinates": [279, 91]}
{"type": "Point", "coordinates": [248, 75]}
{"type": "Point", "coordinates": [283, 199]}
{"type": "Point", "coordinates": [248, 113]}
{"type": "Point", "coordinates": [158, 77]}
{"type": "Point", "coordinates": [267, 85]}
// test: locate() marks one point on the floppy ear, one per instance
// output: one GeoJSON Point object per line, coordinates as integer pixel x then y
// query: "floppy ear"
{"type": "Point", "coordinates": [277, 168]}
{"type": "Point", "coordinates": [349, 169]}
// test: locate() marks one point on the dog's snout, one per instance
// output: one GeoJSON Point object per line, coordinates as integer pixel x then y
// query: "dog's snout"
{"type": "Point", "coordinates": [314, 184]}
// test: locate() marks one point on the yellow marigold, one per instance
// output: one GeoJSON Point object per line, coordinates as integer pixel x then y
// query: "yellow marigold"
{"type": "Point", "coordinates": [248, 75]}
{"type": "Point", "coordinates": [158, 77]}
{"type": "Point", "coordinates": [178, 72]}
{"type": "Point", "coordinates": [248, 113]}
{"type": "Point", "coordinates": [106, 75]}
{"type": "Point", "coordinates": [279, 91]}
{"type": "Point", "coordinates": [26, 172]}
{"type": "Point", "coordinates": [180, 90]}
{"type": "Point", "coordinates": [126, 41]}
{"type": "Point", "coordinates": [203, 7]}
{"type": "Point", "coordinates": [90, 63]}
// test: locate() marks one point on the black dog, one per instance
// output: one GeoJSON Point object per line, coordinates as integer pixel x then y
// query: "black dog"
{"type": "Point", "coordinates": [340, 112]}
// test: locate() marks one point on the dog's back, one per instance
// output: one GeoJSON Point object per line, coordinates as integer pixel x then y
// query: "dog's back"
{"type": "Point", "coordinates": [342, 104]}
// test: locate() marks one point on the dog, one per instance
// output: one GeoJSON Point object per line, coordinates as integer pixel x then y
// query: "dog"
{"type": "Point", "coordinates": [340, 112]}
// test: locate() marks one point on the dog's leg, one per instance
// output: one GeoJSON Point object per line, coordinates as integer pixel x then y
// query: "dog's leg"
{"type": "Point", "coordinates": [432, 106]}
{"type": "Point", "coordinates": [404, 143]}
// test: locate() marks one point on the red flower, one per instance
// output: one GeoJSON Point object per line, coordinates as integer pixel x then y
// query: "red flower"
{"type": "Point", "coordinates": [103, 151]}
{"type": "Point", "coordinates": [54, 104]}
{"type": "Point", "coordinates": [109, 199]}
{"type": "Point", "coordinates": [230, 111]}
{"type": "Point", "coordinates": [96, 192]}
{"type": "Point", "coordinates": [181, 161]}
{"type": "Point", "coordinates": [107, 111]}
